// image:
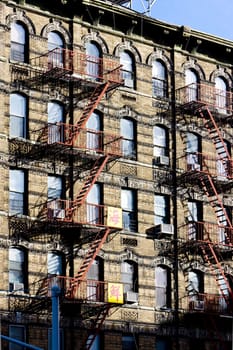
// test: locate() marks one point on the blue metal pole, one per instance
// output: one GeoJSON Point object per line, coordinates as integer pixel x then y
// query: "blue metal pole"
{"type": "Point", "coordinates": [19, 342]}
{"type": "Point", "coordinates": [55, 317]}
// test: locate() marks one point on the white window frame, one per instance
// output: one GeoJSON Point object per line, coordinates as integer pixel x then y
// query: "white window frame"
{"type": "Point", "coordinates": [18, 42]}
{"type": "Point", "coordinates": [18, 110]}
{"type": "Point", "coordinates": [16, 191]}
{"type": "Point", "coordinates": [159, 79]}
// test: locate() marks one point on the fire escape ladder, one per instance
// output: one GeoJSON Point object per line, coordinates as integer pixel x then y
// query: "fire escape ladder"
{"type": "Point", "coordinates": [92, 252]}
{"type": "Point", "coordinates": [211, 258]}
{"type": "Point", "coordinates": [216, 137]}
{"type": "Point", "coordinates": [215, 201]}
{"type": "Point", "coordinates": [92, 103]}
{"type": "Point", "coordinates": [91, 179]}
{"type": "Point", "coordinates": [96, 325]}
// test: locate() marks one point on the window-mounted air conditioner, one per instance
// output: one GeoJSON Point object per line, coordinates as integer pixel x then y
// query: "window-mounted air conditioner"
{"type": "Point", "coordinates": [198, 305]}
{"type": "Point", "coordinates": [131, 297]}
{"type": "Point", "coordinates": [161, 160]}
{"type": "Point", "coordinates": [59, 213]}
{"type": "Point", "coordinates": [18, 287]}
{"type": "Point", "coordinates": [164, 229]}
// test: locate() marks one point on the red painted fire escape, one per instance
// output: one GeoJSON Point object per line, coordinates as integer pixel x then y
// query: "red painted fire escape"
{"type": "Point", "coordinates": [202, 107]}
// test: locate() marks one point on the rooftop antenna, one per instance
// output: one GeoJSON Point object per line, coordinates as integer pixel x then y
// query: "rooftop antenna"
{"type": "Point", "coordinates": [142, 6]}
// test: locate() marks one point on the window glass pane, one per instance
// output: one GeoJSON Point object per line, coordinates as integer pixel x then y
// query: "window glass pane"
{"type": "Point", "coordinates": [92, 50]}
{"type": "Point", "coordinates": [94, 194]}
{"type": "Point", "coordinates": [128, 343]}
{"type": "Point", "coordinates": [54, 263]}
{"type": "Point", "coordinates": [16, 255]}
{"type": "Point", "coordinates": [54, 187]}
{"type": "Point", "coordinates": [17, 33]}
{"type": "Point", "coordinates": [191, 81]}
{"type": "Point", "coordinates": [18, 333]}
{"type": "Point", "coordinates": [16, 180]}
{"type": "Point", "coordinates": [126, 61]}
{"type": "Point", "coordinates": [17, 115]}
{"type": "Point", "coordinates": [127, 130]}
{"type": "Point", "coordinates": [17, 105]}
{"type": "Point", "coordinates": [93, 60]}
{"type": "Point", "coordinates": [54, 41]}
{"type": "Point", "coordinates": [194, 281]}
{"type": "Point", "coordinates": [192, 142]}
{"type": "Point", "coordinates": [127, 200]}
{"type": "Point", "coordinates": [158, 70]}
{"type": "Point", "coordinates": [55, 112]}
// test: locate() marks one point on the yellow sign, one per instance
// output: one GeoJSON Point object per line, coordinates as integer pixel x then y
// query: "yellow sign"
{"type": "Point", "coordinates": [114, 218]}
{"type": "Point", "coordinates": [115, 293]}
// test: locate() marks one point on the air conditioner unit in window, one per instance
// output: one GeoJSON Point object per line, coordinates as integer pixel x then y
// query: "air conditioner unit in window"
{"type": "Point", "coordinates": [198, 305]}
{"type": "Point", "coordinates": [131, 297]}
{"type": "Point", "coordinates": [18, 287]}
{"type": "Point", "coordinates": [161, 160]}
{"type": "Point", "coordinates": [164, 229]}
{"type": "Point", "coordinates": [59, 213]}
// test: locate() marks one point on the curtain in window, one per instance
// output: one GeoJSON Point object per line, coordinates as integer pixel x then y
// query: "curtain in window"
{"type": "Point", "coordinates": [93, 132]}
{"type": "Point", "coordinates": [127, 133]}
{"type": "Point", "coordinates": [191, 81]}
{"type": "Point", "coordinates": [93, 61]}
{"type": "Point", "coordinates": [55, 120]}
{"type": "Point", "coordinates": [127, 69]}
{"type": "Point", "coordinates": [16, 185]}
{"type": "Point", "coordinates": [159, 141]}
{"type": "Point", "coordinates": [54, 263]}
{"type": "Point", "coordinates": [221, 95]}
{"type": "Point", "coordinates": [54, 187]}
{"type": "Point", "coordinates": [18, 42]}
{"type": "Point", "coordinates": [159, 81]}
{"type": "Point", "coordinates": [56, 50]}
{"type": "Point", "coordinates": [17, 115]}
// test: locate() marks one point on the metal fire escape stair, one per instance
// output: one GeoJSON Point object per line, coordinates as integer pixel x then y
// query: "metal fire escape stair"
{"type": "Point", "coordinates": [92, 252]}
{"type": "Point", "coordinates": [216, 137]}
{"type": "Point", "coordinates": [96, 325]}
{"type": "Point", "coordinates": [92, 103]}
{"type": "Point", "coordinates": [91, 179]}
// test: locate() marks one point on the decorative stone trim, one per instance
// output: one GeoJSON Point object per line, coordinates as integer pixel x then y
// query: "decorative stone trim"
{"type": "Point", "coordinates": [221, 73]}
{"type": "Point", "coordinates": [56, 26]}
{"type": "Point", "coordinates": [20, 16]}
{"type": "Point", "coordinates": [94, 36]}
{"type": "Point", "coordinates": [127, 45]}
{"type": "Point", "coordinates": [158, 54]}
{"type": "Point", "coordinates": [192, 64]}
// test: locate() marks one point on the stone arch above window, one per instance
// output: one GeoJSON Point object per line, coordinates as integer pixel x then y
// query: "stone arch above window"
{"type": "Point", "coordinates": [221, 72]}
{"type": "Point", "coordinates": [128, 46]}
{"type": "Point", "coordinates": [96, 38]}
{"type": "Point", "coordinates": [159, 55]}
{"type": "Point", "coordinates": [19, 16]}
{"type": "Point", "coordinates": [127, 111]}
{"type": "Point", "coordinates": [194, 66]}
{"type": "Point", "coordinates": [56, 26]}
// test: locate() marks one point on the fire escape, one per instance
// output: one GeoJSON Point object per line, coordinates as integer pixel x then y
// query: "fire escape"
{"type": "Point", "coordinates": [92, 79]}
{"type": "Point", "coordinates": [212, 242]}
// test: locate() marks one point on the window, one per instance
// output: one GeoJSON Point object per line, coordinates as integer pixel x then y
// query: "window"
{"type": "Point", "coordinates": [160, 141]}
{"type": "Point", "coordinates": [55, 188]}
{"type": "Point", "coordinates": [163, 344]}
{"type": "Point", "coordinates": [223, 151]}
{"type": "Point", "coordinates": [193, 149]}
{"type": "Point", "coordinates": [128, 138]}
{"type": "Point", "coordinates": [129, 277]}
{"type": "Point", "coordinates": [94, 200]}
{"type": "Point", "coordinates": [95, 290]}
{"type": "Point", "coordinates": [55, 263]}
{"type": "Point", "coordinates": [17, 192]}
{"type": "Point", "coordinates": [161, 209]}
{"type": "Point", "coordinates": [159, 79]}
{"type": "Point", "coordinates": [191, 83]}
{"type": "Point", "coordinates": [17, 269]}
{"type": "Point", "coordinates": [196, 284]}
{"type": "Point", "coordinates": [94, 62]}
{"type": "Point", "coordinates": [56, 49]}
{"type": "Point", "coordinates": [96, 343]}
{"type": "Point", "coordinates": [128, 69]}
{"type": "Point", "coordinates": [163, 287]}
{"type": "Point", "coordinates": [18, 110]}
{"type": "Point", "coordinates": [195, 226]}
{"type": "Point", "coordinates": [19, 42]}
{"type": "Point", "coordinates": [94, 140]}
{"type": "Point", "coordinates": [224, 216]}
{"type": "Point", "coordinates": [221, 95]}
{"type": "Point", "coordinates": [55, 122]}
{"type": "Point", "coordinates": [129, 342]}
{"type": "Point", "coordinates": [18, 333]}
{"type": "Point", "coordinates": [129, 210]}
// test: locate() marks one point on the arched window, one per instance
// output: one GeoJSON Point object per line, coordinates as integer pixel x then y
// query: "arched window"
{"type": "Point", "coordinates": [191, 83]}
{"type": "Point", "coordinates": [94, 135]}
{"type": "Point", "coordinates": [19, 42]}
{"type": "Point", "coordinates": [159, 79]}
{"type": "Point", "coordinates": [94, 200]}
{"type": "Point", "coordinates": [128, 69]}
{"type": "Point", "coordinates": [18, 112]}
{"type": "Point", "coordinates": [193, 149]}
{"type": "Point", "coordinates": [94, 61]}
{"type": "Point", "coordinates": [163, 287]}
{"type": "Point", "coordinates": [129, 277]}
{"type": "Point", "coordinates": [17, 269]}
{"type": "Point", "coordinates": [160, 145]}
{"type": "Point", "coordinates": [56, 50]}
{"type": "Point", "coordinates": [128, 138]}
{"type": "Point", "coordinates": [55, 263]}
{"type": "Point", "coordinates": [55, 122]}
{"type": "Point", "coordinates": [221, 95]}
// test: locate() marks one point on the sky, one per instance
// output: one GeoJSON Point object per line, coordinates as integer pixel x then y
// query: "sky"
{"type": "Point", "coordinates": [209, 16]}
